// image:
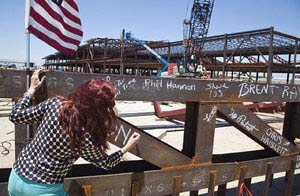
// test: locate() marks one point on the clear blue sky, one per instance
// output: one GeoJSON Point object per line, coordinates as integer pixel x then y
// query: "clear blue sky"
{"type": "Point", "coordinates": [148, 20]}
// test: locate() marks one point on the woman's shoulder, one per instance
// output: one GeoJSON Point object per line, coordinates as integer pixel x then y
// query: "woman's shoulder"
{"type": "Point", "coordinates": [57, 100]}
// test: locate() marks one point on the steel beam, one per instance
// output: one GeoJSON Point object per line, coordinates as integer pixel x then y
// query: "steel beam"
{"type": "Point", "coordinates": [160, 182]}
{"type": "Point", "coordinates": [178, 171]}
{"type": "Point", "coordinates": [256, 128]}
{"type": "Point", "coordinates": [157, 89]}
{"type": "Point", "coordinates": [205, 133]}
{"type": "Point", "coordinates": [291, 125]}
{"type": "Point", "coordinates": [149, 148]}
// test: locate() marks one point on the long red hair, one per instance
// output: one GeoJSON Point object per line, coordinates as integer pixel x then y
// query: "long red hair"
{"type": "Point", "coordinates": [89, 109]}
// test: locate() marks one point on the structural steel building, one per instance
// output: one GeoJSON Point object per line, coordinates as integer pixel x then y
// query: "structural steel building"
{"type": "Point", "coordinates": [244, 52]}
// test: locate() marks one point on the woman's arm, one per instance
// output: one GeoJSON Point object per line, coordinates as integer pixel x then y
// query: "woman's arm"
{"type": "Point", "coordinates": [21, 112]}
{"type": "Point", "coordinates": [92, 154]}
{"type": "Point", "coordinates": [133, 140]}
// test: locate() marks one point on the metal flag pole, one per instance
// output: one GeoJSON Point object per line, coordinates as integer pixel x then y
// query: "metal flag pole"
{"type": "Point", "coordinates": [27, 15]}
{"type": "Point", "coordinates": [28, 127]}
{"type": "Point", "coordinates": [27, 60]}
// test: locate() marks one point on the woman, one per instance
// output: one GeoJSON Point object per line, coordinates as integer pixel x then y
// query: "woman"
{"type": "Point", "coordinates": [78, 126]}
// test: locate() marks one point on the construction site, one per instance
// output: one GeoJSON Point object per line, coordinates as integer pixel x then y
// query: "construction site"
{"type": "Point", "coordinates": [244, 52]}
{"type": "Point", "coordinates": [217, 115]}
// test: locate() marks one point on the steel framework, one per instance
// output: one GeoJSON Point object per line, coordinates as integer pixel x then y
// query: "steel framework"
{"type": "Point", "coordinates": [165, 170]}
{"type": "Point", "coordinates": [257, 51]}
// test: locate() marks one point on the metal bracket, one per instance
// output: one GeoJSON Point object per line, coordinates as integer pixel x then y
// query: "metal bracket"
{"type": "Point", "coordinates": [176, 185]}
{"type": "Point", "coordinates": [87, 190]}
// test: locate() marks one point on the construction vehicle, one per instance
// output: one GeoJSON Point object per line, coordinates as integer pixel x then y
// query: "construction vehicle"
{"type": "Point", "coordinates": [195, 29]}
{"type": "Point", "coordinates": [128, 36]}
{"type": "Point", "coordinates": [172, 69]}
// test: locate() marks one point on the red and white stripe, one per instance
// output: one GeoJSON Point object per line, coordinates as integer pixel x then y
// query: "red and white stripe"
{"type": "Point", "coordinates": [59, 26]}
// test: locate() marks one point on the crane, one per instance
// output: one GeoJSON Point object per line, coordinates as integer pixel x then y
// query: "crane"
{"type": "Point", "coordinates": [196, 28]}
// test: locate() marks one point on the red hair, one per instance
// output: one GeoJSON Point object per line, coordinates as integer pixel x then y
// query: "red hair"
{"type": "Point", "coordinates": [89, 109]}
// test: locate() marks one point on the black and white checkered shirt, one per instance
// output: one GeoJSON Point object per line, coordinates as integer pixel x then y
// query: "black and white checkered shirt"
{"type": "Point", "coordinates": [48, 157]}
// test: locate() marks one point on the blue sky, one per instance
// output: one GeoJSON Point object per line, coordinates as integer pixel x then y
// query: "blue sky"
{"type": "Point", "coordinates": [148, 20]}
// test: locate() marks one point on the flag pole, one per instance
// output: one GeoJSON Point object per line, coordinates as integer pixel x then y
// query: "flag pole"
{"type": "Point", "coordinates": [27, 58]}
{"type": "Point", "coordinates": [27, 15]}
{"type": "Point", "coordinates": [29, 132]}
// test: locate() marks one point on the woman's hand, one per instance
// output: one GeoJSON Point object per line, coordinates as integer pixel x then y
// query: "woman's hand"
{"type": "Point", "coordinates": [133, 140]}
{"type": "Point", "coordinates": [36, 83]}
{"type": "Point", "coordinates": [297, 142]}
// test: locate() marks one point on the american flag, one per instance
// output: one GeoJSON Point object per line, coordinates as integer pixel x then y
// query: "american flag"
{"type": "Point", "coordinates": [56, 22]}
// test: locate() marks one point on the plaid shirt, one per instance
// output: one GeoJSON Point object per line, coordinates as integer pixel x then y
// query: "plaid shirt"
{"type": "Point", "coordinates": [48, 157]}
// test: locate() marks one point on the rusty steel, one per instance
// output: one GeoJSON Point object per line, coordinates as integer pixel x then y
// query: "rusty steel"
{"type": "Point", "coordinates": [161, 182]}
{"type": "Point", "coordinates": [268, 178]}
{"type": "Point", "coordinates": [158, 89]}
{"type": "Point", "coordinates": [148, 145]}
{"type": "Point", "coordinates": [176, 189]}
{"type": "Point", "coordinates": [256, 128]}
{"type": "Point", "coordinates": [192, 168]}
{"type": "Point", "coordinates": [205, 133]}
{"type": "Point", "coordinates": [212, 183]}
